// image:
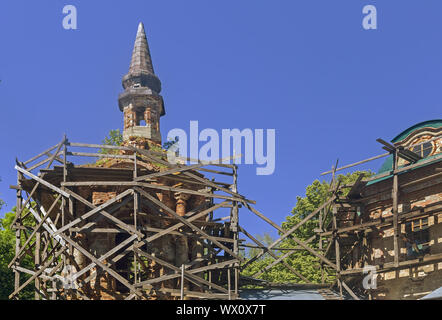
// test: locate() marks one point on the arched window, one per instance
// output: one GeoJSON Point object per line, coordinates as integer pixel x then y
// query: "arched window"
{"type": "Point", "coordinates": [424, 150]}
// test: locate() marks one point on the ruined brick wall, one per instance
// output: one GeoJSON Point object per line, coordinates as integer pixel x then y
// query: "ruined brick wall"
{"type": "Point", "coordinates": [408, 283]}
{"type": "Point", "coordinates": [172, 248]}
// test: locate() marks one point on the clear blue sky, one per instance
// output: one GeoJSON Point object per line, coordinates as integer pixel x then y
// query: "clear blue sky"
{"type": "Point", "coordinates": [306, 68]}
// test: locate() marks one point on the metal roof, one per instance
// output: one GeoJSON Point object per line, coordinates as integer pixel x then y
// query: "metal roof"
{"type": "Point", "coordinates": [280, 294]}
{"type": "Point", "coordinates": [437, 123]}
{"type": "Point", "coordinates": [388, 166]}
{"type": "Point", "coordinates": [435, 295]}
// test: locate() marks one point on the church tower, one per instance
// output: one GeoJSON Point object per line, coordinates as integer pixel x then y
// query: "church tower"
{"type": "Point", "coordinates": [141, 102]}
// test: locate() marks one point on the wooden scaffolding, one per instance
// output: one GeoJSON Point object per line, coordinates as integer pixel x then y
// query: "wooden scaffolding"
{"type": "Point", "coordinates": [49, 227]}
{"type": "Point", "coordinates": [342, 233]}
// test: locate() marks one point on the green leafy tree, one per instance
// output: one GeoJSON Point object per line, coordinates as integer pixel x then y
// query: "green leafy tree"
{"type": "Point", "coordinates": [7, 253]}
{"type": "Point", "coordinates": [265, 239]}
{"type": "Point", "coordinates": [7, 243]}
{"type": "Point", "coordinates": [315, 195]}
{"type": "Point", "coordinates": [114, 138]}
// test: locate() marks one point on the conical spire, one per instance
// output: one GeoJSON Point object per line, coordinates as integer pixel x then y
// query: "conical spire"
{"type": "Point", "coordinates": [141, 60]}
{"type": "Point", "coordinates": [141, 72]}
{"type": "Point", "coordinates": [141, 101]}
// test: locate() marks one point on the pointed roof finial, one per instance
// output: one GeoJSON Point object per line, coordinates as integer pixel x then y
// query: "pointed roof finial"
{"type": "Point", "coordinates": [141, 59]}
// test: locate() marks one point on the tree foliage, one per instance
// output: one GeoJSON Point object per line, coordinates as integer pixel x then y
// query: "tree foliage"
{"type": "Point", "coordinates": [315, 195]}
{"type": "Point", "coordinates": [7, 253]}
{"type": "Point", "coordinates": [114, 138]}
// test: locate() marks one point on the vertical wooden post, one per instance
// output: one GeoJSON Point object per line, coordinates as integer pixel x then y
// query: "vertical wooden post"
{"type": "Point", "coordinates": [54, 288]}
{"type": "Point", "coordinates": [209, 218]}
{"type": "Point", "coordinates": [321, 265]}
{"type": "Point", "coordinates": [337, 250]}
{"type": "Point", "coordinates": [63, 200]}
{"type": "Point", "coordinates": [18, 231]}
{"type": "Point", "coordinates": [37, 264]}
{"type": "Point", "coordinates": [71, 248]}
{"type": "Point", "coordinates": [335, 235]}
{"type": "Point", "coordinates": [136, 209]}
{"type": "Point", "coordinates": [182, 282]}
{"type": "Point", "coordinates": [229, 289]}
{"type": "Point", "coordinates": [234, 228]}
{"type": "Point", "coordinates": [395, 192]}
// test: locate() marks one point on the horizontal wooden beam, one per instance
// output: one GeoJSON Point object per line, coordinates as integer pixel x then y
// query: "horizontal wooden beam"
{"type": "Point", "coordinates": [99, 155]}
{"type": "Point", "coordinates": [389, 266]}
{"type": "Point", "coordinates": [43, 182]}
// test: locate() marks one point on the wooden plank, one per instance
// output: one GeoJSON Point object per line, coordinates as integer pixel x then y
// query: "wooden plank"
{"type": "Point", "coordinates": [302, 222]}
{"type": "Point", "coordinates": [297, 248]}
{"type": "Point", "coordinates": [395, 194]}
{"type": "Point", "coordinates": [102, 265]}
{"type": "Point", "coordinates": [204, 180]}
{"type": "Point", "coordinates": [274, 256]}
{"type": "Point", "coordinates": [274, 263]}
{"type": "Point", "coordinates": [107, 215]}
{"type": "Point", "coordinates": [376, 157]}
{"type": "Point", "coordinates": [21, 269]}
{"type": "Point", "coordinates": [357, 163]}
{"type": "Point", "coordinates": [44, 161]}
{"type": "Point", "coordinates": [213, 185]}
{"type": "Point", "coordinates": [41, 154]}
{"type": "Point", "coordinates": [383, 222]}
{"type": "Point", "coordinates": [42, 176]}
{"type": "Point", "coordinates": [49, 227]}
{"type": "Point", "coordinates": [34, 232]}
{"type": "Point", "coordinates": [97, 146]}
{"type": "Point", "coordinates": [436, 159]}
{"type": "Point", "coordinates": [37, 273]}
{"type": "Point", "coordinates": [313, 252]}
{"type": "Point", "coordinates": [426, 260]}
{"type": "Point", "coordinates": [193, 182]}
{"type": "Point", "coordinates": [186, 222]}
{"type": "Point", "coordinates": [215, 171]}
{"type": "Point", "coordinates": [195, 294]}
{"type": "Point", "coordinates": [170, 171]}
{"type": "Point", "coordinates": [190, 219]}
{"type": "Point", "coordinates": [299, 242]}
{"type": "Point", "coordinates": [347, 288]}
{"type": "Point", "coordinates": [99, 155]}
{"type": "Point", "coordinates": [337, 250]}
{"type": "Point", "coordinates": [104, 256]}
{"type": "Point", "coordinates": [288, 233]}
{"type": "Point", "coordinates": [176, 269]}
{"type": "Point", "coordinates": [43, 182]}
{"type": "Point", "coordinates": [101, 217]}
{"type": "Point", "coordinates": [94, 211]}
{"type": "Point", "coordinates": [187, 191]}
{"type": "Point", "coordinates": [98, 183]}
